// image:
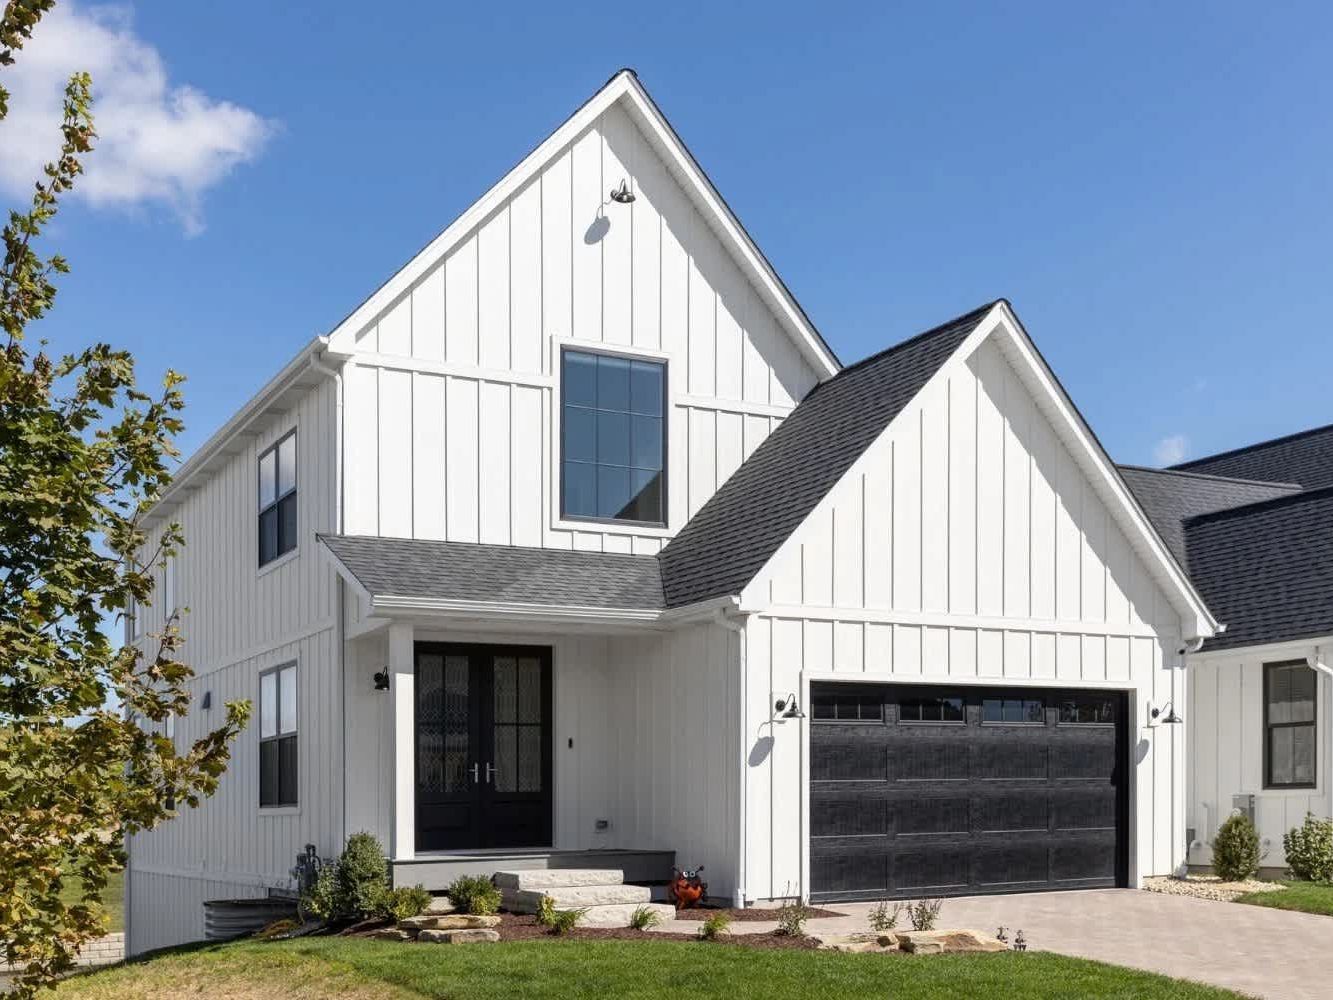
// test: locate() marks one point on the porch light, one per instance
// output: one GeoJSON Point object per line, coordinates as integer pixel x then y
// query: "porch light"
{"type": "Point", "coordinates": [1156, 715]}
{"type": "Point", "coordinates": [622, 195]}
{"type": "Point", "coordinates": [382, 680]}
{"type": "Point", "coordinates": [786, 708]}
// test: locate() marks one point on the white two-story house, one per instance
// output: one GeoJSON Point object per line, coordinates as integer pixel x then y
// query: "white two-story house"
{"type": "Point", "coordinates": [575, 544]}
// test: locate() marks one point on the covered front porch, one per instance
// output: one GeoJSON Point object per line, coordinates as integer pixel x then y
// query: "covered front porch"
{"type": "Point", "coordinates": [485, 738]}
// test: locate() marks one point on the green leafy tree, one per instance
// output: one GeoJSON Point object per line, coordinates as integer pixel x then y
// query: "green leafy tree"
{"type": "Point", "coordinates": [83, 456]}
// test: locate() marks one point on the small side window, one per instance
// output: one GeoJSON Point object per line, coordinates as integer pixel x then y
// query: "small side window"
{"type": "Point", "coordinates": [277, 737]}
{"type": "Point", "coordinates": [277, 500]}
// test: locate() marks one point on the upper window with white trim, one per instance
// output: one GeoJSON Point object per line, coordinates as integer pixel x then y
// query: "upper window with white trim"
{"type": "Point", "coordinates": [277, 500]}
{"type": "Point", "coordinates": [1290, 743]}
{"type": "Point", "coordinates": [613, 440]}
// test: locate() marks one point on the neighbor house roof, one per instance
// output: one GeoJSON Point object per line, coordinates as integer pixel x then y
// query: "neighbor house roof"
{"type": "Point", "coordinates": [1305, 458]}
{"type": "Point", "coordinates": [734, 534]}
{"type": "Point", "coordinates": [1169, 498]}
{"type": "Point", "coordinates": [434, 571]}
{"type": "Point", "coordinates": [1266, 569]}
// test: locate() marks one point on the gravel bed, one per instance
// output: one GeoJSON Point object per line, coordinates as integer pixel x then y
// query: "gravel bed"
{"type": "Point", "coordinates": [1207, 887]}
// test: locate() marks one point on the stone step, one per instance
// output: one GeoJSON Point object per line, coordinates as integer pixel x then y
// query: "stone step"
{"type": "Point", "coordinates": [546, 878]}
{"type": "Point", "coordinates": [575, 897]}
{"type": "Point", "coordinates": [619, 914]}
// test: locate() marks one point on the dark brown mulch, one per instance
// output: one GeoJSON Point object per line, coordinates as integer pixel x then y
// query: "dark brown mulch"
{"type": "Point", "coordinates": [523, 927]}
{"type": "Point", "coordinates": [750, 913]}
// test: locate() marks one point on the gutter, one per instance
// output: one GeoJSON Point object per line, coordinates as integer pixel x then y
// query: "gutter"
{"type": "Point", "coordinates": [734, 622]}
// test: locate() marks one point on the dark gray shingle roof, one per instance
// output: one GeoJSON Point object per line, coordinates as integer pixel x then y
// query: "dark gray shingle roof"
{"type": "Point", "coordinates": [1169, 497]}
{"type": "Point", "coordinates": [1266, 569]}
{"type": "Point", "coordinates": [1305, 458]}
{"type": "Point", "coordinates": [403, 567]}
{"type": "Point", "coordinates": [734, 534]}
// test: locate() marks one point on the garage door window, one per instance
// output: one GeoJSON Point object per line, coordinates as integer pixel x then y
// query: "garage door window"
{"type": "Point", "coordinates": [1014, 711]}
{"type": "Point", "coordinates": [1087, 711]}
{"type": "Point", "coordinates": [931, 709]}
{"type": "Point", "coordinates": [848, 706]}
{"type": "Point", "coordinates": [1289, 724]}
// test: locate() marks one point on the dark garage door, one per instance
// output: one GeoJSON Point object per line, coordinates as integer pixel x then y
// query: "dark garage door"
{"type": "Point", "coordinates": [956, 791]}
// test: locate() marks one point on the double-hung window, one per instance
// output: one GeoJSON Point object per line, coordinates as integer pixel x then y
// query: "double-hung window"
{"type": "Point", "coordinates": [1289, 725]}
{"type": "Point", "coordinates": [277, 736]}
{"type": "Point", "coordinates": [613, 448]}
{"type": "Point", "coordinates": [277, 500]}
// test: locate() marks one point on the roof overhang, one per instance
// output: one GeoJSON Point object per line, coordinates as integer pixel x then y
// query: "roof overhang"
{"type": "Point", "coordinates": [1316, 650]}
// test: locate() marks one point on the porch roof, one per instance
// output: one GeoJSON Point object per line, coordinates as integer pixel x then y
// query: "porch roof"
{"type": "Point", "coordinates": [498, 574]}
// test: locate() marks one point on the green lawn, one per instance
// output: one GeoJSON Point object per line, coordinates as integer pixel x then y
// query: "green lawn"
{"type": "Point", "coordinates": [358, 969]}
{"type": "Point", "coordinates": [1307, 897]}
{"type": "Point", "coordinates": [113, 900]}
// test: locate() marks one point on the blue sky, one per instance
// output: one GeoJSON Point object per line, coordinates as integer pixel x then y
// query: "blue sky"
{"type": "Point", "coordinates": [1149, 185]}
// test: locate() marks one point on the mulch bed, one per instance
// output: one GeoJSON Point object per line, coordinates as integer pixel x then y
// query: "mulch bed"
{"type": "Point", "coordinates": [524, 927]}
{"type": "Point", "coordinates": [746, 915]}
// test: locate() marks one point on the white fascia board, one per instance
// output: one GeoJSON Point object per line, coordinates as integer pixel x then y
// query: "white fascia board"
{"type": "Point", "coordinates": [1316, 647]}
{"type": "Point", "coordinates": [1196, 620]}
{"type": "Point", "coordinates": [391, 606]}
{"type": "Point", "coordinates": [622, 87]}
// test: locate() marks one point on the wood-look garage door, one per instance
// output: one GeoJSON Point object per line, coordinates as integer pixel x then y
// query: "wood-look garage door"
{"type": "Point", "coordinates": [956, 791]}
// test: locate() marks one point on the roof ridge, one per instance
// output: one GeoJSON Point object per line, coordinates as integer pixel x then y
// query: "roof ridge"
{"type": "Point", "coordinates": [1173, 471]}
{"type": "Point", "coordinates": [937, 328]}
{"type": "Point", "coordinates": [1318, 493]}
{"type": "Point", "coordinates": [1253, 447]}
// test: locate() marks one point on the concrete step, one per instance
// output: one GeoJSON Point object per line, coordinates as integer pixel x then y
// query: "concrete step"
{"type": "Point", "coordinates": [576, 897]}
{"type": "Point", "coordinates": [619, 914]}
{"type": "Point", "coordinates": [545, 878]}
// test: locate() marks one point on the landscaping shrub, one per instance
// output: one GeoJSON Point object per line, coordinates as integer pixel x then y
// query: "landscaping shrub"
{"type": "Point", "coordinates": [1236, 849]}
{"type": "Point", "coordinates": [546, 912]}
{"type": "Point", "coordinates": [356, 886]}
{"type": "Point", "coordinates": [883, 918]}
{"type": "Point", "coordinates": [474, 894]}
{"type": "Point", "coordinates": [321, 901]}
{"type": "Point", "coordinates": [564, 921]}
{"type": "Point", "coordinates": [1309, 849]}
{"type": "Point", "coordinates": [924, 913]}
{"type": "Point", "coordinates": [644, 919]}
{"type": "Point", "coordinates": [404, 902]}
{"type": "Point", "coordinates": [715, 926]}
{"type": "Point", "coordinates": [792, 917]}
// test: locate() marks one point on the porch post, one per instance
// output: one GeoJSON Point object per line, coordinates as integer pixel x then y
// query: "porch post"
{"type": "Point", "coordinates": [402, 674]}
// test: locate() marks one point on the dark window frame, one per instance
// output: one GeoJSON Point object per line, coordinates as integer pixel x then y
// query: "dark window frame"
{"type": "Point", "coordinates": [1045, 707]}
{"type": "Point", "coordinates": [1060, 720]}
{"type": "Point", "coordinates": [282, 740]}
{"type": "Point", "coordinates": [919, 700]}
{"type": "Point", "coordinates": [664, 365]}
{"type": "Point", "coordinates": [284, 543]}
{"type": "Point", "coordinates": [1312, 724]}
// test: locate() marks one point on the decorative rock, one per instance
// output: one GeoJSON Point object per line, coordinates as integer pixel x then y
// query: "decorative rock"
{"type": "Point", "coordinates": [392, 934]}
{"type": "Point", "coordinates": [449, 922]}
{"type": "Point", "coordinates": [857, 943]}
{"type": "Point", "coordinates": [440, 904]}
{"type": "Point", "coordinates": [937, 942]}
{"type": "Point", "coordinates": [537, 879]}
{"type": "Point", "coordinates": [474, 936]}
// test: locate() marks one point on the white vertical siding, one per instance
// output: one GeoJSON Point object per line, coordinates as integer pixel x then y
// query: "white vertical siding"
{"type": "Point", "coordinates": [450, 397]}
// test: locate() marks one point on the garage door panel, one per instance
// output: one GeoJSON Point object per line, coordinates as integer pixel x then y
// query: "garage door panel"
{"type": "Point", "coordinates": [949, 791]}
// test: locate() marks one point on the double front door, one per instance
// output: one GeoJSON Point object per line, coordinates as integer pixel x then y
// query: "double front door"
{"type": "Point", "coordinates": [483, 746]}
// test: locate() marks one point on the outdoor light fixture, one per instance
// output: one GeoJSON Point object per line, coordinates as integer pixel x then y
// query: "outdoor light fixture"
{"type": "Point", "coordinates": [623, 195]}
{"type": "Point", "coordinates": [207, 703]}
{"type": "Point", "coordinates": [1165, 715]}
{"type": "Point", "coordinates": [382, 680]}
{"type": "Point", "coordinates": [786, 708]}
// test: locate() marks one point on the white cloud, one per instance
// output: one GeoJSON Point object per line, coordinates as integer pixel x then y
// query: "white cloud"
{"type": "Point", "coordinates": [158, 143]}
{"type": "Point", "coordinates": [1171, 450]}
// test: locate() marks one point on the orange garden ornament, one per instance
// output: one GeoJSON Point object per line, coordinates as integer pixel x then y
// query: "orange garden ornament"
{"type": "Point", "coordinates": [686, 889]}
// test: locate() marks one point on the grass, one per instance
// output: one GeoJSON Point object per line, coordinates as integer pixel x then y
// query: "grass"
{"type": "Point", "coordinates": [359, 969]}
{"type": "Point", "coordinates": [1307, 897]}
{"type": "Point", "coordinates": [113, 900]}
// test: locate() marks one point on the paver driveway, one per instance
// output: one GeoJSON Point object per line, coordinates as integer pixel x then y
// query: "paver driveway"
{"type": "Point", "coordinates": [1267, 953]}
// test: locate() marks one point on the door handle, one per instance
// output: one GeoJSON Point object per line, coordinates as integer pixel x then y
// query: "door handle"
{"type": "Point", "coordinates": [490, 771]}
{"type": "Point", "coordinates": [475, 776]}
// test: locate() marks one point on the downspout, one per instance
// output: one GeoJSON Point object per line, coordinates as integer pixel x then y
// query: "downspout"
{"type": "Point", "coordinates": [737, 625]}
{"type": "Point", "coordinates": [1319, 662]}
{"type": "Point", "coordinates": [1191, 646]}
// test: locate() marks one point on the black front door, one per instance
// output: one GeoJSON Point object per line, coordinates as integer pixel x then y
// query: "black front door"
{"type": "Point", "coordinates": [483, 740]}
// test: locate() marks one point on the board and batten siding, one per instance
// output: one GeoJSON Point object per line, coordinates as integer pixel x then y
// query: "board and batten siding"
{"type": "Point", "coordinates": [452, 390]}
{"type": "Point", "coordinates": [966, 547]}
{"type": "Point", "coordinates": [243, 619]}
{"type": "Point", "coordinates": [1226, 752]}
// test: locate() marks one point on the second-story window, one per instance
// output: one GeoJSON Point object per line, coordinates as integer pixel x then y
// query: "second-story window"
{"type": "Point", "coordinates": [613, 447]}
{"type": "Point", "coordinates": [277, 500]}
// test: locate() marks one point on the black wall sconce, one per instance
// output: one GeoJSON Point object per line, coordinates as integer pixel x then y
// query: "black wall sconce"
{"type": "Point", "coordinates": [382, 680]}
{"type": "Point", "coordinates": [1164, 715]}
{"type": "Point", "coordinates": [786, 708]}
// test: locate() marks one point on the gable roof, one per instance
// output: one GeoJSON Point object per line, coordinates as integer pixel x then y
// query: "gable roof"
{"type": "Point", "coordinates": [721, 549]}
{"type": "Point", "coordinates": [624, 87]}
{"type": "Point", "coordinates": [1266, 568]}
{"type": "Point", "coordinates": [504, 574]}
{"type": "Point", "coordinates": [1305, 457]}
{"type": "Point", "coordinates": [1169, 498]}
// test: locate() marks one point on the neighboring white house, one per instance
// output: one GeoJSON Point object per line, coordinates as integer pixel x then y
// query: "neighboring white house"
{"type": "Point", "coordinates": [574, 544]}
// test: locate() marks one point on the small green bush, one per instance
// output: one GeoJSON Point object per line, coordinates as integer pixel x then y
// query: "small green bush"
{"type": "Point", "coordinates": [1236, 854]}
{"type": "Point", "coordinates": [924, 913]}
{"type": "Point", "coordinates": [404, 901]}
{"type": "Point", "coordinates": [1309, 849]}
{"type": "Point", "coordinates": [564, 921]}
{"type": "Point", "coordinates": [792, 917]}
{"type": "Point", "coordinates": [355, 887]}
{"type": "Point", "coordinates": [546, 912]}
{"type": "Point", "coordinates": [321, 901]}
{"type": "Point", "coordinates": [474, 894]}
{"type": "Point", "coordinates": [644, 919]}
{"type": "Point", "coordinates": [884, 918]}
{"type": "Point", "coordinates": [715, 926]}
